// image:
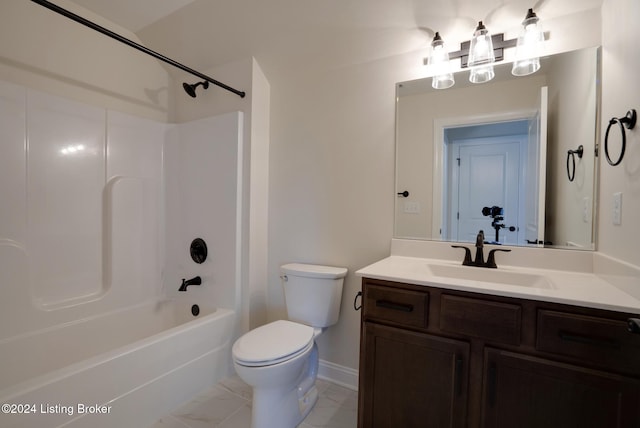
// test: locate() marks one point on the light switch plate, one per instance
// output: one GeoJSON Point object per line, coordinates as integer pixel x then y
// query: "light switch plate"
{"type": "Point", "coordinates": [617, 208]}
{"type": "Point", "coordinates": [411, 207]}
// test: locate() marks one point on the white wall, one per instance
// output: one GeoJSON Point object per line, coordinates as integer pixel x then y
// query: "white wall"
{"type": "Point", "coordinates": [574, 76]}
{"type": "Point", "coordinates": [332, 169]}
{"type": "Point", "coordinates": [332, 182]}
{"type": "Point", "coordinates": [259, 198]}
{"type": "Point", "coordinates": [45, 51]}
{"type": "Point", "coordinates": [621, 92]}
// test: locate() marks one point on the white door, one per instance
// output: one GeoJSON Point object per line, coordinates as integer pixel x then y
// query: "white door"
{"type": "Point", "coordinates": [488, 176]}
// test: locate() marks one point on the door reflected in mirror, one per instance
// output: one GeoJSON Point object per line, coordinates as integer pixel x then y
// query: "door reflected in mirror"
{"type": "Point", "coordinates": [492, 157]}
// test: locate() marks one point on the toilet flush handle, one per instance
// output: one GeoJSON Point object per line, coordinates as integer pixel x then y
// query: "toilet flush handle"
{"type": "Point", "coordinates": [285, 278]}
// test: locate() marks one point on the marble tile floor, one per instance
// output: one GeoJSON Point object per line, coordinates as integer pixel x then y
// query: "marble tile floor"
{"type": "Point", "coordinates": [228, 405]}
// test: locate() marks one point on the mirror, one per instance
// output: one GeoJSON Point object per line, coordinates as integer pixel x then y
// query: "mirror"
{"type": "Point", "coordinates": [496, 156]}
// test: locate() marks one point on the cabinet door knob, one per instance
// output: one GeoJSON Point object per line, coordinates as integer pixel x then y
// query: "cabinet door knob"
{"type": "Point", "coordinates": [633, 325]}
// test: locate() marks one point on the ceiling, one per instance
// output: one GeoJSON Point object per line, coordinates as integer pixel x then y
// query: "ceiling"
{"type": "Point", "coordinates": [305, 35]}
{"type": "Point", "coordinates": [133, 15]}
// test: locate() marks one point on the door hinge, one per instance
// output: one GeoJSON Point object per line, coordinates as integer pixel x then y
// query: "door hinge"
{"type": "Point", "coordinates": [458, 159]}
{"type": "Point", "coordinates": [458, 216]}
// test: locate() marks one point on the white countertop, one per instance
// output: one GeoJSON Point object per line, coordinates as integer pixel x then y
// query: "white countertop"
{"type": "Point", "coordinates": [567, 287]}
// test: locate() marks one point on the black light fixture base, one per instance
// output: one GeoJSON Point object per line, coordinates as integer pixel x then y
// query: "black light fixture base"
{"type": "Point", "coordinates": [499, 45]}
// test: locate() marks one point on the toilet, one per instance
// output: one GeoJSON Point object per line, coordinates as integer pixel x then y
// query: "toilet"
{"type": "Point", "coordinates": [279, 360]}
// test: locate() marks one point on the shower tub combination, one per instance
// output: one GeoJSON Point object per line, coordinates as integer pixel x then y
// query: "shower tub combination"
{"type": "Point", "coordinates": [93, 330]}
{"type": "Point", "coordinates": [126, 368]}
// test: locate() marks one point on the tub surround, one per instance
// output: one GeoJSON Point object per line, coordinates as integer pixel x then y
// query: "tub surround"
{"type": "Point", "coordinates": [162, 362]}
{"type": "Point", "coordinates": [81, 234]}
{"type": "Point", "coordinates": [571, 277]}
{"type": "Point", "coordinates": [95, 239]}
{"type": "Point", "coordinates": [96, 221]}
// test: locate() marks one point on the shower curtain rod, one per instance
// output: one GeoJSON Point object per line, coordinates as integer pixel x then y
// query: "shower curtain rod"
{"type": "Point", "coordinates": [133, 44]}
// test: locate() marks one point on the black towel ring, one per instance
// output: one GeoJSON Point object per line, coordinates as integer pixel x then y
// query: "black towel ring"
{"type": "Point", "coordinates": [628, 121]}
{"type": "Point", "coordinates": [571, 154]}
{"type": "Point", "coordinates": [355, 301]}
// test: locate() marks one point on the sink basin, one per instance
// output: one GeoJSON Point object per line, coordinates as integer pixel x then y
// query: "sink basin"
{"type": "Point", "coordinates": [493, 276]}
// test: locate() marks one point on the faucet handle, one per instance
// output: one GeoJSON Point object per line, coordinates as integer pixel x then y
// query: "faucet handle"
{"type": "Point", "coordinates": [491, 260]}
{"type": "Point", "coordinates": [467, 255]}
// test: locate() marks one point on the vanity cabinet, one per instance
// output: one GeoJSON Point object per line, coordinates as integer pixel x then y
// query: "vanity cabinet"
{"type": "Point", "coordinates": [413, 379]}
{"type": "Point", "coordinates": [439, 358]}
{"type": "Point", "coordinates": [528, 392]}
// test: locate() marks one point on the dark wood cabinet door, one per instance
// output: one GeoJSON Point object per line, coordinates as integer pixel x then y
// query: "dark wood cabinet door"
{"type": "Point", "coordinates": [529, 392]}
{"type": "Point", "coordinates": [411, 379]}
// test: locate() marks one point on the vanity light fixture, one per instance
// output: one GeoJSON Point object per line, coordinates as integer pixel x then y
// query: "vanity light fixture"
{"type": "Point", "coordinates": [439, 61]}
{"type": "Point", "coordinates": [484, 50]}
{"type": "Point", "coordinates": [529, 46]}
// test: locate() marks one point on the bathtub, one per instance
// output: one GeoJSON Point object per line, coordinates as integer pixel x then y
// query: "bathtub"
{"type": "Point", "coordinates": [126, 368]}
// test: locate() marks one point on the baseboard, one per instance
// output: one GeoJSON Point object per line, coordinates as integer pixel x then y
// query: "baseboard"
{"type": "Point", "coordinates": [341, 375]}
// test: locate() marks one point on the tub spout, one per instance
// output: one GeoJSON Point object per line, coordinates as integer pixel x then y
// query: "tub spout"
{"type": "Point", "coordinates": [187, 282]}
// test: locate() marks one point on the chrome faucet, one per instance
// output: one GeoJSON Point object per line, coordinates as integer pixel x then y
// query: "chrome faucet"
{"type": "Point", "coordinates": [193, 281]}
{"type": "Point", "coordinates": [479, 261]}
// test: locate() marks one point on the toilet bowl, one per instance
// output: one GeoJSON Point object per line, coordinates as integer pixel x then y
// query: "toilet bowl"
{"type": "Point", "coordinates": [283, 376]}
{"type": "Point", "coordinates": [279, 360]}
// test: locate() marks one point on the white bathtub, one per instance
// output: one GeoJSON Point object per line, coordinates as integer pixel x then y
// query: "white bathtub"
{"type": "Point", "coordinates": [123, 369]}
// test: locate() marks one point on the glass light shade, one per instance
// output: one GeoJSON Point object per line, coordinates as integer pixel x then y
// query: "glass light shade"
{"type": "Point", "coordinates": [529, 46]}
{"type": "Point", "coordinates": [481, 54]}
{"type": "Point", "coordinates": [481, 49]}
{"type": "Point", "coordinates": [443, 81]}
{"type": "Point", "coordinates": [440, 65]}
{"type": "Point", "coordinates": [482, 74]}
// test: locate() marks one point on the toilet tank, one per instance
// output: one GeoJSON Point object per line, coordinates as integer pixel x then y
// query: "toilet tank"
{"type": "Point", "coordinates": [313, 293]}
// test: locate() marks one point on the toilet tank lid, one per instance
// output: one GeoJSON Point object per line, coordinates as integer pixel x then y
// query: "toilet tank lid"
{"type": "Point", "coordinates": [313, 271]}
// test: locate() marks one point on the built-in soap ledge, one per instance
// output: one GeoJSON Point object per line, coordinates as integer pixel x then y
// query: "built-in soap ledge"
{"type": "Point", "coordinates": [527, 257]}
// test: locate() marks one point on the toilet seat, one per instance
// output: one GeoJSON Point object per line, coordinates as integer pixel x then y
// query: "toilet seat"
{"type": "Point", "coordinates": [273, 343]}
